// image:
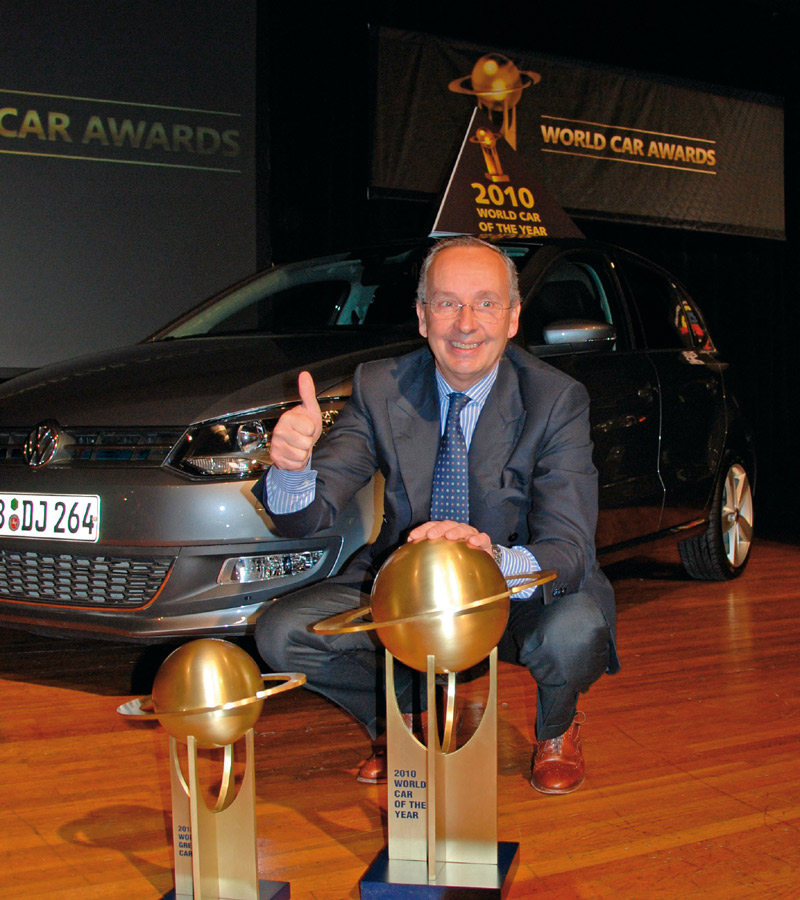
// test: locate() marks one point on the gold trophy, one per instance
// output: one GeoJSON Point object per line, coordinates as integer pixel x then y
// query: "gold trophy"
{"type": "Point", "coordinates": [497, 85]}
{"type": "Point", "coordinates": [440, 607]}
{"type": "Point", "coordinates": [208, 694]}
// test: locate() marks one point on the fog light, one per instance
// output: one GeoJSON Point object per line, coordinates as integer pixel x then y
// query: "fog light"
{"type": "Point", "coordinates": [249, 569]}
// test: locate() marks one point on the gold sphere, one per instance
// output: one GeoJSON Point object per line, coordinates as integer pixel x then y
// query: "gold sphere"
{"type": "Point", "coordinates": [429, 582]}
{"type": "Point", "coordinates": [206, 675]}
{"type": "Point", "coordinates": [497, 81]}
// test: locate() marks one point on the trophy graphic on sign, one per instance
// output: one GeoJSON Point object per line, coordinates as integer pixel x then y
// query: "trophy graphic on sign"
{"type": "Point", "coordinates": [440, 607]}
{"type": "Point", "coordinates": [497, 85]}
{"type": "Point", "coordinates": [488, 195]}
{"type": "Point", "coordinates": [208, 694]}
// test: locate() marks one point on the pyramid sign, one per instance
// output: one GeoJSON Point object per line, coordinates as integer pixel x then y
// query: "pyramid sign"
{"type": "Point", "coordinates": [491, 193]}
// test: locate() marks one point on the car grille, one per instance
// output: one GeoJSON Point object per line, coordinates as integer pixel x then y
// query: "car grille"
{"type": "Point", "coordinates": [137, 446]}
{"type": "Point", "coordinates": [70, 580]}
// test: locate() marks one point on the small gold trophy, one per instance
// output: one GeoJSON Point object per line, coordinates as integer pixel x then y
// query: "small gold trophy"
{"type": "Point", "coordinates": [208, 694]}
{"type": "Point", "coordinates": [439, 607]}
{"type": "Point", "coordinates": [486, 139]}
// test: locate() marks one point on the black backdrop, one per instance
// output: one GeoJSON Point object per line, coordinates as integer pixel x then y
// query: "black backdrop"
{"type": "Point", "coordinates": [319, 158]}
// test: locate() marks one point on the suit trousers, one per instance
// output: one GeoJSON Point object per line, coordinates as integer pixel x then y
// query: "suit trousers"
{"type": "Point", "coordinates": [565, 645]}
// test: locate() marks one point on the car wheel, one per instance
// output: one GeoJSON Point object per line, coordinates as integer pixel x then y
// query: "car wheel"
{"type": "Point", "coordinates": [722, 551]}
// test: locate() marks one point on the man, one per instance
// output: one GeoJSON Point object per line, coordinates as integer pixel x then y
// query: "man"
{"type": "Point", "coordinates": [521, 435]}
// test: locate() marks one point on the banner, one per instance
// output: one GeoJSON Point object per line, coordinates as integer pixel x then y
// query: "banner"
{"type": "Point", "coordinates": [127, 165]}
{"type": "Point", "coordinates": [606, 143]}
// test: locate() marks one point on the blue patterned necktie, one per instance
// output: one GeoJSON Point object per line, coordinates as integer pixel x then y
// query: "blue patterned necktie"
{"type": "Point", "coordinates": [450, 497]}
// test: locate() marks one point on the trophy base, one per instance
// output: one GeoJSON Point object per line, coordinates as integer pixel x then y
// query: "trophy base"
{"type": "Point", "coordinates": [407, 879]}
{"type": "Point", "coordinates": [267, 890]}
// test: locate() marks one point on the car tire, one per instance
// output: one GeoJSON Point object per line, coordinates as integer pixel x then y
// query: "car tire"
{"type": "Point", "coordinates": [722, 550]}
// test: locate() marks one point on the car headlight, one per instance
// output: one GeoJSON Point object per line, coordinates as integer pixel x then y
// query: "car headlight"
{"type": "Point", "coordinates": [236, 446]}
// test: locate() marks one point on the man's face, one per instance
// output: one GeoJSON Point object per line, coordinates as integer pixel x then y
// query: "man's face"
{"type": "Point", "coordinates": [466, 349]}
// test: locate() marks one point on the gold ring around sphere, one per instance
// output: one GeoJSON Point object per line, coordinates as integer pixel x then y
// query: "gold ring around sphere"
{"type": "Point", "coordinates": [440, 598]}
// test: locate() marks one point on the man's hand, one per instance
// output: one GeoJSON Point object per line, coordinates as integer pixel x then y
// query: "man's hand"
{"type": "Point", "coordinates": [298, 429]}
{"type": "Point", "coordinates": [452, 531]}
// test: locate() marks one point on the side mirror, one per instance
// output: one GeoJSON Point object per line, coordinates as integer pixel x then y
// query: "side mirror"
{"type": "Point", "coordinates": [580, 334]}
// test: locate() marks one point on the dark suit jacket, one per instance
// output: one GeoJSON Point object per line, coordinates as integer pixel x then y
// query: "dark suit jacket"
{"type": "Point", "coordinates": [532, 480]}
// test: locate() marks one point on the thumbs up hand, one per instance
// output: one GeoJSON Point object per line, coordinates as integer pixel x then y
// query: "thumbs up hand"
{"type": "Point", "coordinates": [298, 429]}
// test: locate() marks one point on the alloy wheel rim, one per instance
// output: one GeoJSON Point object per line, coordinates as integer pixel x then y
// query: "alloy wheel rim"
{"type": "Point", "coordinates": [737, 516]}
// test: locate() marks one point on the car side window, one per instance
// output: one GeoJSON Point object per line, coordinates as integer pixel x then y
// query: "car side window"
{"type": "Point", "coordinates": [665, 314]}
{"type": "Point", "coordinates": [393, 302]}
{"type": "Point", "coordinates": [576, 290]}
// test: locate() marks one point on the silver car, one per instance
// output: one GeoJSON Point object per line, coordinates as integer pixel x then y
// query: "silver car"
{"type": "Point", "coordinates": [125, 477]}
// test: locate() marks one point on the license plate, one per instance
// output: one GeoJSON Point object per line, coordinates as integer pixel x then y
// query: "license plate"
{"type": "Point", "coordinates": [60, 517]}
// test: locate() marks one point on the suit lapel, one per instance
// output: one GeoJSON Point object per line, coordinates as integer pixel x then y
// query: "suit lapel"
{"type": "Point", "coordinates": [414, 419]}
{"type": "Point", "coordinates": [496, 435]}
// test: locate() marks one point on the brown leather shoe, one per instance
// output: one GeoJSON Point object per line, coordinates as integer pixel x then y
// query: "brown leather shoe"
{"type": "Point", "coordinates": [558, 766]}
{"type": "Point", "coordinates": [374, 770]}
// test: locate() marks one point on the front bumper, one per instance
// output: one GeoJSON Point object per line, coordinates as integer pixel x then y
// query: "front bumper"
{"type": "Point", "coordinates": [187, 601]}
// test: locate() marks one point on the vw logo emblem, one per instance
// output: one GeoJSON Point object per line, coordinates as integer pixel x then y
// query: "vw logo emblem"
{"type": "Point", "coordinates": [42, 444]}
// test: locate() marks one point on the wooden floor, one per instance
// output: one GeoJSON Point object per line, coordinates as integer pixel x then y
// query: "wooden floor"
{"type": "Point", "coordinates": [693, 762]}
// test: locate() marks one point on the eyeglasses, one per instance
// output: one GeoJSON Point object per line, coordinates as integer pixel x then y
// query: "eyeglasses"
{"type": "Point", "coordinates": [483, 310]}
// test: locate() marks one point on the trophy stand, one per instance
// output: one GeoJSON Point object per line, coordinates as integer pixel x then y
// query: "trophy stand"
{"type": "Point", "coordinates": [208, 694]}
{"type": "Point", "coordinates": [442, 805]}
{"type": "Point", "coordinates": [440, 607]}
{"type": "Point", "coordinates": [216, 849]}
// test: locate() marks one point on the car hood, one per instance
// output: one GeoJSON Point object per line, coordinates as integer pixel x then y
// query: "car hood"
{"type": "Point", "coordinates": [177, 382]}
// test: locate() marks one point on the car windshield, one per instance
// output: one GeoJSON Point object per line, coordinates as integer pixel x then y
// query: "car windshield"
{"type": "Point", "coordinates": [373, 289]}
{"type": "Point", "coordinates": [333, 292]}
